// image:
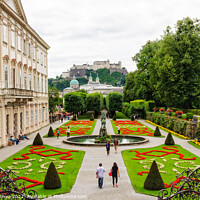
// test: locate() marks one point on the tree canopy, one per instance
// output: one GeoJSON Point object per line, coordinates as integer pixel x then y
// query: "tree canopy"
{"type": "Point", "coordinates": [168, 70]}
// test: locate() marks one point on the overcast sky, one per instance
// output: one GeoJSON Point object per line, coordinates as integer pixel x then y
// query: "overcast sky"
{"type": "Point", "coordinates": [83, 31]}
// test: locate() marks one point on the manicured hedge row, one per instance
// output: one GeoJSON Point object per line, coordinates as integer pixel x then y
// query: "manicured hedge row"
{"type": "Point", "coordinates": [174, 124]}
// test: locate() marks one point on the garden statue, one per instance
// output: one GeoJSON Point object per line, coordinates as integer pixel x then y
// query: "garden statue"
{"type": "Point", "coordinates": [103, 132]}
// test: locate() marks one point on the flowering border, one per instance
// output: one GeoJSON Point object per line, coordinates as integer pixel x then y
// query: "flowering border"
{"type": "Point", "coordinates": [174, 133]}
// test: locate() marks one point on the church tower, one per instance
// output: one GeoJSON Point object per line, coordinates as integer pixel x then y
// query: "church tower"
{"type": "Point", "coordinates": [97, 79]}
{"type": "Point", "coordinates": [90, 78]}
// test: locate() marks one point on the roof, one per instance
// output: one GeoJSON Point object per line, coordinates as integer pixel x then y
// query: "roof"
{"type": "Point", "coordinates": [74, 82]}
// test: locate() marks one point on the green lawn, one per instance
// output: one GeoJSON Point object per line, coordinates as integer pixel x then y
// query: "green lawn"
{"type": "Point", "coordinates": [128, 127]}
{"type": "Point", "coordinates": [35, 163]}
{"type": "Point", "coordinates": [120, 115]}
{"type": "Point", "coordinates": [80, 127]}
{"type": "Point", "coordinates": [170, 165]}
{"type": "Point", "coordinates": [193, 144]}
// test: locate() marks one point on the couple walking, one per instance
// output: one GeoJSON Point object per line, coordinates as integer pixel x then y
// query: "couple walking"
{"type": "Point", "coordinates": [114, 172]}
{"type": "Point", "coordinates": [115, 144]}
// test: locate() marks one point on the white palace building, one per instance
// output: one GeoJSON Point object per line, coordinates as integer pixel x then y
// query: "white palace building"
{"type": "Point", "coordinates": [23, 74]}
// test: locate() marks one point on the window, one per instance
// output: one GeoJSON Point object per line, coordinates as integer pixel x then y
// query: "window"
{"type": "Point", "coordinates": [25, 81]}
{"type": "Point", "coordinates": [36, 116]}
{"type": "Point", "coordinates": [42, 114]}
{"type": "Point", "coordinates": [30, 81]}
{"type": "Point", "coordinates": [7, 124]}
{"type": "Point", "coordinates": [31, 117]}
{"type": "Point", "coordinates": [21, 120]}
{"type": "Point", "coordinates": [38, 84]}
{"type": "Point", "coordinates": [29, 50]}
{"type": "Point", "coordinates": [33, 53]}
{"type": "Point", "coordinates": [46, 114]}
{"type": "Point", "coordinates": [19, 42]}
{"type": "Point", "coordinates": [5, 33]}
{"type": "Point", "coordinates": [38, 58]}
{"type": "Point", "coordinates": [24, 46]}
{"type": "Point", "coordinates": [45, 60]}
{"type": "Point", "coordinates": [34, 83]}
{"type": "Point", "coordinates": [41, 58]}
{"type": "Point", "coordinates": [39, 116]}
{"type": "Point", "coordinates": [12, 38]}
{"type": "Point", "coordinates": [27, 119]}
{"type": "Point", "coordinates": [6, 76]}
{"type": "Point", "coordinates": [42, 84]}
{"type": "Point", "coordinates": [20, 79]}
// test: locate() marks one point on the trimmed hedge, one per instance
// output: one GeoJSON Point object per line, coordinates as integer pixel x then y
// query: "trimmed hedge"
{"type": "Point", "coordinates": [177, 125]}
{"type": "Point", "coordinates": [169, 140]}
{"type": "Point", "coordinates": [157, 132]}
{"type": "Point", "coordinates": [50, 133]}
{"type": "Point", "coordinates": [38, 140]}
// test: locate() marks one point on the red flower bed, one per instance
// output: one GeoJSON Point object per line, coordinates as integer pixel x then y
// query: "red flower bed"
{"type": "Point", "coordinates": [121, 122]}
{"type": "Point", "coordinates": [41, 153]}
{"type": "Point", "coordinates": [140, 156]}
{"type": "Point", "coordinates": [139, 131]}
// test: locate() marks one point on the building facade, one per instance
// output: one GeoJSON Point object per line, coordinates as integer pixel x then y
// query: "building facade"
{"type": "Point", "coordinates": [23, 74]}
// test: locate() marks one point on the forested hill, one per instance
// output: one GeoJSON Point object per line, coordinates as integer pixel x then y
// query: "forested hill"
{"type": "Point", "coordinates": [115, 79]}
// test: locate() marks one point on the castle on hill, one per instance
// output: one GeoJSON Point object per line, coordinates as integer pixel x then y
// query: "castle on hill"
{"type": "Point", "coordinates": [81, 70]}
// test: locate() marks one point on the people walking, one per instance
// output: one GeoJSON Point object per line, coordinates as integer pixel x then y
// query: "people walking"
{"type": "Point", "coordinates": [68, 131]}
{"type": "Point", "coordinates": [108, 148]}
{"type": "Point", "coordinates": [116, 144]}
{"type": "Point", "coordinates": [118, 129]}
{"type": "Point", "coordinates": [99, 174]}
{"type": "Point", "coordinates": [115, 174]}
{"type": "Point", "coordinates": [58, 133]}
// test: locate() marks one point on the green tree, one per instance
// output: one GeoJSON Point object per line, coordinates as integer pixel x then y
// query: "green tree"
{"type": "Point", "coordinates": [114, 102]}
{"type": "Point", "coordinates": [94, 102]}
{"type": "Point", "coordinates": [74, 103]}
{"type": "Point", "coordinates": [53, 99]}
{"type": "Point", "coordinates": [178, 65]}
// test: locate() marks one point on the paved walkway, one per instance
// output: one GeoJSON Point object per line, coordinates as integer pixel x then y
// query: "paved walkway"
{"type": "Point", "coordinates": [85, 186]}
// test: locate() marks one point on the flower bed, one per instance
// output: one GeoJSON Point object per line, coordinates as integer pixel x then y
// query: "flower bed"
{"type": "Point", "coordinates": [131, 128]}
{"type": "Point", "coordinates": [31, 165]}
{"type": "Point", "coordinates": [167, 130]}
{"type": "Point", "coordinates": [195, 143]}
{"type": "Point", "coordinates": [171, 161]}
{"type": "Point", "coordinates": [80, 127]}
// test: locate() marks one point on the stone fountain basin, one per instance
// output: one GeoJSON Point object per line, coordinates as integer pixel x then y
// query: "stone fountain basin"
{"type": "Point", "coordinates": [88, 140]}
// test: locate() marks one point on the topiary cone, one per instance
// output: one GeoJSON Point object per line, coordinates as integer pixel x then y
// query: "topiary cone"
{"type": "Point", "coordinates": [154, 180]}
{"type": "Point", "coordinates": [157, 132]}
{"type": "Point", "coordinates": [50, 133]}
{"type": "Point", "coordinates": [38, 140]}
{"type": "Point", "coordinates": [52, 180]}
{"type": "Point", "coordinates": [169, 140]}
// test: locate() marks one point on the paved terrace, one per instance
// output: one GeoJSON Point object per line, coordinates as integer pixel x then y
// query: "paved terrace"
{"type": "Point", "coordinates": [85, 186]}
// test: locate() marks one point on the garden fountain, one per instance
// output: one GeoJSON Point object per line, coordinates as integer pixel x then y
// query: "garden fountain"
{"type": "Point", "coordinates": [103, 137]}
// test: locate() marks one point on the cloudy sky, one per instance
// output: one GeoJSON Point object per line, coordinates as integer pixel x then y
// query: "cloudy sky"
{"type": "Point", "coordinates": [83, 31]}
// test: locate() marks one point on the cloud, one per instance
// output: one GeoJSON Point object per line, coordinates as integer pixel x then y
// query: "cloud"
{"type": "Point", "coordinates": [82, 31]}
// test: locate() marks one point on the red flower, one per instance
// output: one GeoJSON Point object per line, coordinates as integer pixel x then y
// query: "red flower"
{"type": "Point", "coordinates": [179, 112]}
{"type": "Point", "coordinates": [155, 108]}
{"type": "Point", "coordinates": [161, 109]}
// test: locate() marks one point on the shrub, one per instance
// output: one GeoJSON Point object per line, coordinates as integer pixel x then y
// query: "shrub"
{"type": "Point", "coordinates": [157, 132]}
{"type": "Point", "coordinates": [169, 140]}
{"type": "Point", "coordinates": [91, 118]}
{"type": "Point", "coordinates": [38, 140]}
{"type": "Point", "coordinates": [189, 116]}
{"type": "Point", "coordinates": [52, 180]}
{"type": "Point", "coordinates": [154, 180]}
{"type": "Point", "coordinates": [50, 133]}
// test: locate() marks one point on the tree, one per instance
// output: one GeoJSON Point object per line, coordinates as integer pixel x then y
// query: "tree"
{"type": "Point", "coordinates": [154, 180]}
{"type": "Point", "coordinates": [52, 179]}
{"type": "Point", "coordinates": [114, 102]}
{"type": "Point", "coordinates": [169, 140]}
{"type": "Point", "coordinates": [94, 102]}
{"type": "Point", "coordinates": [53, 99]}
{"type": "Point", "coordinates": [74, 103]}
{"type": "Point", "coordinates": [38, 140]}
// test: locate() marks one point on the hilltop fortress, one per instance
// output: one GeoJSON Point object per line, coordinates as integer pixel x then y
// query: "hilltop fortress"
{"type": "Point", "coordinates": [81, 70]}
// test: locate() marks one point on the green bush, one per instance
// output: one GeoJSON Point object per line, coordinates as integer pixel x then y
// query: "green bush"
{"type": "Point", "coordinates": [189, 116]}
{"type": "Point", "coordinates": [157, 132]}
{"type": "Point", "coordinates": [38, 140]}
{"type": "Point", "coordinates": [149, 105]}
{"type": "Point", "coordinates": [169, 140]}
{"type": "Point", "coordinates": [52, 180]}
{"type": "Point", "coordinates": [154, 180]}
{"type": "Point", "coordinates": [138, 104]}
{"type": "Point", "coordinates": [50, 133]}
